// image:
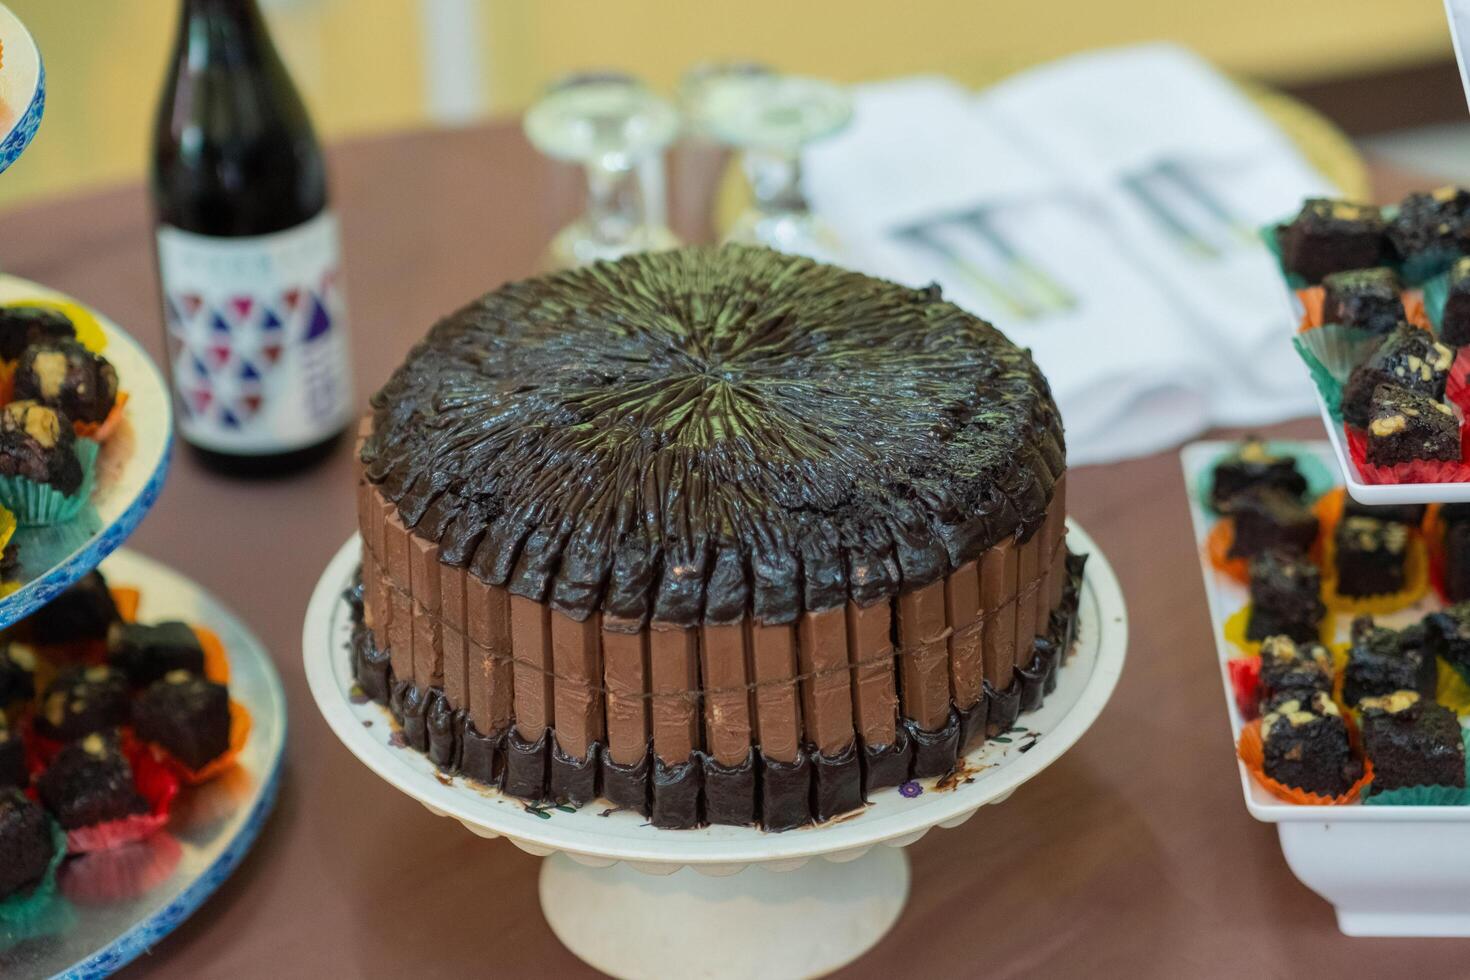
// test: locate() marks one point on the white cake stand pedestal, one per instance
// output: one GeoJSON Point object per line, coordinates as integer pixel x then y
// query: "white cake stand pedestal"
{"type": "Point", "coordinates": [717, 902]}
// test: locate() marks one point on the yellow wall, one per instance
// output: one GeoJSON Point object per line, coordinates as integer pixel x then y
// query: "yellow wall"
{"type": "Point", "coordinates": [359, 61]}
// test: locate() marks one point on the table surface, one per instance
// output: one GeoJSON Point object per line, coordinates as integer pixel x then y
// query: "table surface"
{"type": "Point", "coordinates": [1131, 856]}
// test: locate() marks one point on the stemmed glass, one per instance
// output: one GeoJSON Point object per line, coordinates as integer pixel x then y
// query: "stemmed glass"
{"type": "Point", "coordinates": [616, 129]}
{"type": "Point", "coordinates": [771, 118]}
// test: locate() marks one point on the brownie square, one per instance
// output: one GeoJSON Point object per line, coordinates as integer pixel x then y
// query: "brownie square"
{"type": "Point", "coordinates": [1406, 358]}
{"type": "Point", "coordinates": [1457, 561]}
{"type": "Point", "coordinates": [90, 782]}
{"type": "Point", "coordinates": [83, 700]}
{"type": "Point", "coordinates": [82, 612]}
{"type": "Point", "coordinates": [1250, 467]}
{"type": "Point", "coordinates": [1286, 598]}
{"type": "Point", "coordinates": [1370, 555]}
{"type": "Point", "coordinates": [1454, 321]}
{"type": "Point", "coordinates": [1406, 425]}
{"type": "Point", "coordinates": [1270, 520]}
{"type": "Point", "coordinates": [1448, 631]}
{"type": "Point", "coordinates": [1290, 669]}
{"type": "Point", "coordinates": [1410, 514]}
{"type": "Point", "coordinates": [1429, 229]}
{"type": "Point", "coordinates": [1330, 236]}
{"type": "Point", "coordinates": [17, 674]}
{"type": "Point", "coordinates": [187, 715]}
{"type": "Point", "coordinates": [26, 846]}
{"type": "Point", "coordinates": [147, 653]}
{"type": "Point", "coordinates": [1366, 299]}
{"type": "Point", "coordinates": [1306, 746]}
{"type": "Point", "coordinates": [12, 756]}
{"type": "Point", "coordinates": [1382, 661]}
{"type": "Point", "coordinates": [1412, 742]}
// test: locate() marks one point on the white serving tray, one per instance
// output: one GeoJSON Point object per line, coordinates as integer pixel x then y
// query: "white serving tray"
{"type": "Point", "coordinates": [1388, 871]}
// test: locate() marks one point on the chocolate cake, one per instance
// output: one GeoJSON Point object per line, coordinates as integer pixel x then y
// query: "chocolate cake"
{"type": "Point", "coordinates": [1382, 661]}
{"type": "Point", "coordinates": [1271, 520]}
{"type": "Point", "coordinates": [1252, 466]}
{"type": "Point", "coordinates": [1371, 556]}
{"type": "Point", "coordinates": [1429, 230]}
{"type": "Point", "coordinates": [26, 845]}
{"type": "Point", "coordinates": [1306, 746]}
{"type": "Point", "coordinates": [147, 653]}
{"type": "Point", "coordinates": [64, 375]}
{"type": "Point", "coordinates": [1407, 358]}
{"type": "Point", "coordinates": [717, 534]}
{"type": "Point", "coordinates": [1286, 598]}
{"type": "Point", "coordinates": [1332, 236]}
{"type": "Point", "coordinates": [1405, 426]}
{"type": "Point", "coordinates": [1449, 635]}
{"type": "Point", "coordinates": [1410, 515]}
{"type": "Point", "coordinates": [1365, 299]}
{"type": "Point", "coordinates": [90, 782]}
{"type": "Point", "coordinates": [81, 701]}
{"type": "Point", "coordinates": [1454, 319]}
{"type": "Point", "coordinates": [38, 443]}
{"type": "Point", "coordinates": [12, 756]}
{"type": "Point", "coordinates": [1293, 670]}
{"type": "Point", "coordinates": [186, 715]}
{"type": "Point", "coordinates": [17, 675]}
{"type": "Point", "coordinates": [83, 613]}
{"type": "Point", "coordinates": [1412, 741]}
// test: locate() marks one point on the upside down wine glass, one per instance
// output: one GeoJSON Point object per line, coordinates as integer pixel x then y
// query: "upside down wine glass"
{"type": "Point", "coordinates": [615, 128]}
{"type": "Point", "coordinates": [771, 118]}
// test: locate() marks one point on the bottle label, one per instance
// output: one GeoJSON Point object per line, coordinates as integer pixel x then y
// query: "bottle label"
{"type": "Point", "coordinates": [257, 337]}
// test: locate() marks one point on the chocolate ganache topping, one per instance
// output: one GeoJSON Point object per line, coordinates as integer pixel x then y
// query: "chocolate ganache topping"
{"type": "Point", "coordinates": [714, 432]}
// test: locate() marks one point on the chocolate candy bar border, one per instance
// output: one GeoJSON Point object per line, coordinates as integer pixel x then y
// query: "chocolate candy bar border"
{"type": "Point", "coordinates": [740, 723]}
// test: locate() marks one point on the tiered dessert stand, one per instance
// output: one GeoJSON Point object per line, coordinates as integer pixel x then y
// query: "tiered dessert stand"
{"type": "Point", "coordinates": [22, 88]}
{"type": "Point", "coordinates": [100, 924]}
{"type": "Point", "coordinates": [635, 901]}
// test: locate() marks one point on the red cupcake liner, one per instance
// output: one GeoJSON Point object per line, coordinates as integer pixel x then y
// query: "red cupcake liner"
{"type": "Point", "coordinates": [1414, 471]}
{"type": "Point", "coordinates": [1245, 683]}
{"type": "Point", "coordinates": [1457, 385]}
{"type": "Point", "coordinates": [158, 787]}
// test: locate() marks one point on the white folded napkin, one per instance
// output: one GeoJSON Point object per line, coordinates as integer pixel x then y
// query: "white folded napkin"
{"type": "Point", "coordinates": [1064, 182]}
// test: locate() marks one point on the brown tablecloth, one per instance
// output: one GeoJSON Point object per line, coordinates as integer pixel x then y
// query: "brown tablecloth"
{"type": "Point", "coordinates": [1131, 856]}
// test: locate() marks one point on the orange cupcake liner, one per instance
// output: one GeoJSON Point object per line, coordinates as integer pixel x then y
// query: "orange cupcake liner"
{"type": "Point", "coordinates": [1314, 299]}
{"type": "Point", "coordinates": [1221, 538]}
{"type": "Point", "coordinates": [1252, 752]}
{"type": "Point", "coordinates": [216, 661]}
{"type": "Point", "coordinates": [102, 431]}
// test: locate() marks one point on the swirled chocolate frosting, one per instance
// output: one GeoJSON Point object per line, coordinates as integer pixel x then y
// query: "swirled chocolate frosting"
{"type": "Point", "coordinates": [714, 432]}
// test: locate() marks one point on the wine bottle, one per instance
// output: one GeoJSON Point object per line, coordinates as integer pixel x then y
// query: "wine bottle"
{"type": "Point", "coordinates": [248, 252]}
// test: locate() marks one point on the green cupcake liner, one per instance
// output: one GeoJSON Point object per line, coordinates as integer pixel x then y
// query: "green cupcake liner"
{"type": "Point", "coordinates": [1319, 478]}
{"type": "Point", "coordinates": [22, 911]}
{"type": "Point", "coordinates": [1424, 269]}
{"type": "Point", "coordinates": [1436, 292]}
{"type": "Point", "coordinates": [38, 504]}
{"type": "Point", "coordinates": [1425, 795]}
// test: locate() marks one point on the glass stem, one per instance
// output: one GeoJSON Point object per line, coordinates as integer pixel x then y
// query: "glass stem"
{"type": "Point", "coordinates": [775, 181]}
{"type": "Point", "coordinates": [614, 202]}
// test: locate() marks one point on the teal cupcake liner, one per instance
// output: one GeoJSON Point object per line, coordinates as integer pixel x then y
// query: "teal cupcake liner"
{"type": "Point", "coordinates": [1425, 795]}
{"type": "Point", "coordinates": [1327, 384]}
{"type": "Point", "coordinates": [23, 911]}
{"type": "Point", "coordinates": [39, 504]}
{"type": "Point", "coordinates": [1424, 269]}
{"type": "Point", "coordinates": [1436, 292]}
{"type": "Point", "coordinates": [1319, 478]}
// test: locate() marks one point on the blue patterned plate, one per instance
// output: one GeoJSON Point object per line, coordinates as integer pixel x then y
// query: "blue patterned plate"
{"type": "Point", "coordinates": [116, 905]}
{"type": "Point", "coordinates": [130, 472]}
{"type": "Point", "coordinates": [22, 87]}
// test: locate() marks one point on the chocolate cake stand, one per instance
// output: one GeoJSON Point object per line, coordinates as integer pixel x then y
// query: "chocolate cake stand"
{"type": "Point", "coordinates": [636, 901]}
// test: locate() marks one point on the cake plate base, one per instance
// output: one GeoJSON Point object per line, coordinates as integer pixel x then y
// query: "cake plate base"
{"type": "Point", "coordinates": [757, 922]}
{"type": "Point", "coordinates": [705, 902]}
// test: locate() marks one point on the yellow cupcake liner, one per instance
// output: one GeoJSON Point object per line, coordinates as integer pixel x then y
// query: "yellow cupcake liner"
{"type": "Point", "coordinates": [1452, 691]}
{"type": "Point", "coordinates": [1238, 621]}
{"type": "Point", "coordinates": [89, 329]}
